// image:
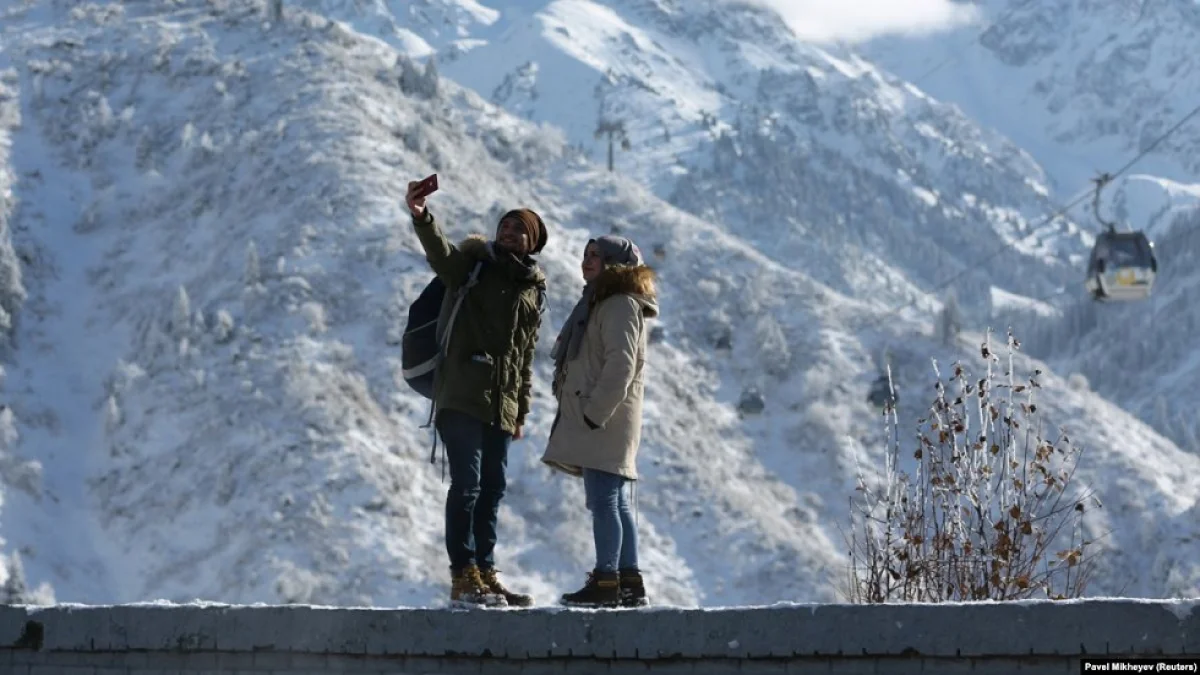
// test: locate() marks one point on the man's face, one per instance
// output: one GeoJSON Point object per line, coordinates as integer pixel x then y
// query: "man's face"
{"type": "Point", "coordinates": [511, 236]}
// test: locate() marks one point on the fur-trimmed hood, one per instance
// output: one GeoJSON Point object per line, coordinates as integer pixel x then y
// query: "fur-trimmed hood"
{"type": "Point", "coordinates": [479, 247]}
{"type": "Point", "coordinates": [636, 282]}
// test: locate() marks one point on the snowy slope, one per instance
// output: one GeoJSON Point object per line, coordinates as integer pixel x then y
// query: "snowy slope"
{"type": "Point", "coordinates": [217, 267]}
{"type": "Point", "coordinates": [1151, 204]}
{"type": "Point", "coordinates": [417, 28]}
{"type": "Point", "coordinates": [1086, 84]}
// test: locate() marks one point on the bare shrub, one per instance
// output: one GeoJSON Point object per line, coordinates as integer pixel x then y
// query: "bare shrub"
{"type": "Point", "coordinates": [990, 513]}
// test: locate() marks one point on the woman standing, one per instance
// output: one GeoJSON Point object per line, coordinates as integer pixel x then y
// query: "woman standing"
{"type": "Point", "coordinates": [599, 362]}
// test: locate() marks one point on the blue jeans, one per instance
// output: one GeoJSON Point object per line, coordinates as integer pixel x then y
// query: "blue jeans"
{"type": "Point", "coordinates": [612, 521]}
{"type": "Point", "coordinates": [478, 457]}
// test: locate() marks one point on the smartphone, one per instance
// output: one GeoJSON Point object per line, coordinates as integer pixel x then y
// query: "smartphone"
{"type": "Point", "coordinates": [426, 187]}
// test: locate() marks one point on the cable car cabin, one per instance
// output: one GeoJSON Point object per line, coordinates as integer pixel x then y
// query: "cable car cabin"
{"type": "Point", "coordinates": [1122, 267]}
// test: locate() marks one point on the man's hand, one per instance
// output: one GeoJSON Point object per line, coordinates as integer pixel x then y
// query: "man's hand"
{"type": "Point", "coordinates": [416, 206]}
{"type": "Point", "coordinates": [517, 434]}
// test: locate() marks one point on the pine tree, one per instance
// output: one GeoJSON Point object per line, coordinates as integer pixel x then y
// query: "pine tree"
{"type": "Point", "coordinates": [429, 85]}
{"type": "Point", "coordinates": [15, 591]}
{"type": "Point", "coordinates": [181, 322]}
{"type": "Point", "coordinates": [1162, 416]}
{"type": "Point", "coordinates": [253, 273]}
{"type": "Point", "coordinates": [951, 319]}
{"type": "Point", "coordinates": [774, 354]}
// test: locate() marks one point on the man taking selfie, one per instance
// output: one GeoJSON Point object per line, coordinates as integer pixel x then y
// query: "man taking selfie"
{"type": "Point", "coordinates": [483, 384]}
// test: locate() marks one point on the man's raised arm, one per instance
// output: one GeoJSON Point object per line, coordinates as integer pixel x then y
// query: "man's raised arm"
{"type": "Point", "coordinates": [447, 261]}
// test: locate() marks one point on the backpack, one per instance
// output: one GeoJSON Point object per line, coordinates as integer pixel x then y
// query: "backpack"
{"type": "Point", "coordinates": [424, 342]}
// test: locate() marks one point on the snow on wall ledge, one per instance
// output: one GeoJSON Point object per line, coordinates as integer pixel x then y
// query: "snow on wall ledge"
{"type": "Point", "coordinates": [1031, 637]}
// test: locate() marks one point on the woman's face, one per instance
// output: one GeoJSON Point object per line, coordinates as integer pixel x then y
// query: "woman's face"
{"type": "Point", "coordinates": [592, 265]}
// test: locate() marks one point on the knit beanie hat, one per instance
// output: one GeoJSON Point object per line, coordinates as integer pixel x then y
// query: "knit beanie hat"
{"type": "Point", "coordinates": [534, 227]}
{"type": "Point", "coordinates": [616, 250]}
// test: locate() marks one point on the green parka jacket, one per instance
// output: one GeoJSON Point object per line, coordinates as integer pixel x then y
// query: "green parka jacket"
{"type": "Point", "coordinates": [488, 369]}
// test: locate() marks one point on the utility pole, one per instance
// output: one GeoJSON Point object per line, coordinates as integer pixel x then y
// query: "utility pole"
{"type": "Point", "coordinates": [615, 130]}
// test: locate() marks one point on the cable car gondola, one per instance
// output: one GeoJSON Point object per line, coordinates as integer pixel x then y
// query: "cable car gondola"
{"type": "Point", "coordinates": [1122, 266]}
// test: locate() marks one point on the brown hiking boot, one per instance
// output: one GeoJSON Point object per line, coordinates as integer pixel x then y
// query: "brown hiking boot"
{"type": "Point", "coordinates": [603, 589]}
{"type": "Point", "coordinates": [493, 584]}
{"type": "Point", "coordinates": [467, 587]}
{"type": "Point", "coordinates": [633, 591]}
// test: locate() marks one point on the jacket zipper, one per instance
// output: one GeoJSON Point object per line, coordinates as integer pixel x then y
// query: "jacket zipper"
{"type": "Point", "coordinates": [497, 377]}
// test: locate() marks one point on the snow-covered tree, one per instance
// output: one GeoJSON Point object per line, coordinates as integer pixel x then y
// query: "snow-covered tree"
{"type": "Point", "coordinates": [181, 319]}
{"type": "Point", "coordinates": [15, 589]}
{"type": "Point", "coordinates": [16, 472]}
{"type": "Point", "coordinates": [950, 319]}
{"type": "Point", "coordinates": [1162, 416]}
{"type": "Point", "coordinates": [223, 328]}
{"type": "Point", "coordinates": [12, 288]}
{"type": "Point", "coordinates": [112, 414]}
{"type": "Point", "coordinates": [431, 77]}
{"type": "Point", "coordinates": [774, 355]}
{"type": "Point", "coordinates": [416, 81]}
{"type": "Point", "coordinates": [253, 273]}
{"type": "Point", "coordinates": [1078, 382]}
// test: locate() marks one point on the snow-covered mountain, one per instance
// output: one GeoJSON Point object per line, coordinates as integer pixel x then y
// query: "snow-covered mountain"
{"type": "Point", "coordinates": [821, 159]}
{"type": "Point", "coordinates": [1141, 356]}
{"type": "Point", "coordinates": [1082, 85]}
{"type": "Point", "coordinates": [210, 377]}
{"type": "Point", "coordinates": [1088, 86]}
{"type": "Point", "coordinates": [210, 266]}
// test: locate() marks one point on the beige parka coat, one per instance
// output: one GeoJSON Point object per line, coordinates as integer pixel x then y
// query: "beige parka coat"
{"type": "Point", "coordinates": [599, 421]}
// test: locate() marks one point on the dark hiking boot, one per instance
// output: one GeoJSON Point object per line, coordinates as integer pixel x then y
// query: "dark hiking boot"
{"type": "Point", "coordinates": [603, 589]}
{"type": "Point", "coordinates": [488, 575]}
{"type": "Point", "coordinates": [467, 588]}
{"type": "Point", "coordinates": [633, 591]}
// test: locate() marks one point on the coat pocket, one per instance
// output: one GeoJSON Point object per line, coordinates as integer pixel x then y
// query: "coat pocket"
{"type": "Point", "coordinates": [571, 408]}
{"type": "Point", "coordinates": [580, 403]}
{"type": "Point", "coordinates": [479, 374]}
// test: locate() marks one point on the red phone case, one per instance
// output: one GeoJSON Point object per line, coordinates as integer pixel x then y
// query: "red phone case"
{"type": "Point", "coordinates": [426, 187]}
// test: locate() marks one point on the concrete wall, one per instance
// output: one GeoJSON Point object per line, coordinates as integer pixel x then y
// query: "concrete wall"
{"type": "Point", "coordinates": [976, 638]}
